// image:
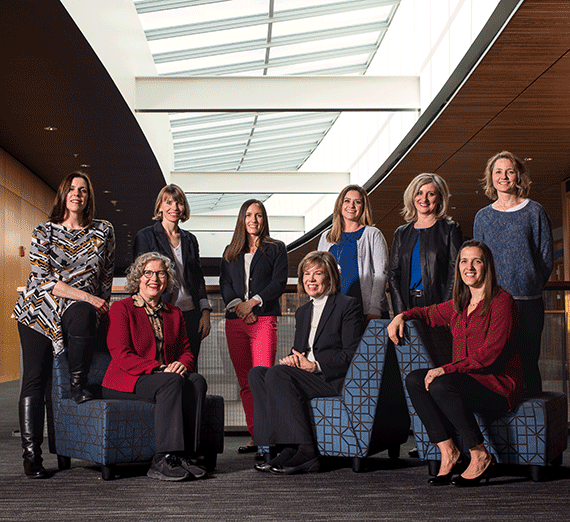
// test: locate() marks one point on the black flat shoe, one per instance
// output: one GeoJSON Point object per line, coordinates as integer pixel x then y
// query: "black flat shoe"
{"type": "Point", "coordinates": [461, 482]}
{"type": "Point", "coordinates": [311, 466]}
{"type": "Point", "coordinates": [247, 449]}
{"type": "Point", "coordinates": [445, 480]}
{"type": "Point", "coordinates": [263, 467]}
{"type": "Point", "coordinates": [259, 456]}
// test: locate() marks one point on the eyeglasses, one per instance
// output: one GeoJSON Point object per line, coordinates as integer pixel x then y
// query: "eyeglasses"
{"type": "Point", "coordinates": [160, 273]}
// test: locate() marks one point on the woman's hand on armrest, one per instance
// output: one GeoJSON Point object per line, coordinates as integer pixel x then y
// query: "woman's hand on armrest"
{"type": "Point", "coordinates": [396, 328]}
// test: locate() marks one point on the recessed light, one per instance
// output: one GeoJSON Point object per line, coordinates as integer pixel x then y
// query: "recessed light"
{"type": "Point", "coordinates": [85, 165]}
{"type": "Point", "coordinates": [125, 224]}
{"type": "Point", "coordinates": [118, 210]}
{"type": "Point", "coordinates": [106, 192]}
{"type": "Point", "coordinates": [50, 128]}
{"type": "Point", "coordinates": [527, 159]}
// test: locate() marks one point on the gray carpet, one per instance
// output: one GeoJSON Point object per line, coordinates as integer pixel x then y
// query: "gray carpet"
{"type": "Point", "coordinates": [388, 490]}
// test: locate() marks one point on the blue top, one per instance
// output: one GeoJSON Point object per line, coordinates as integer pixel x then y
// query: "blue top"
{"type": "Point", "coordinates": [416, 282]}
{"type": "Point", "coordinates": [346, 255]}
{"type": "Point", "coordinates": [521, 243]}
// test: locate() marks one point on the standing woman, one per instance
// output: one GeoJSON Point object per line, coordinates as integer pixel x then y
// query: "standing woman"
{"type": "Point", "coordinates": [181, 247]}
{"type": "Point", "coordinates": [360, 251]}
{"type": "Point", "coordinates": [253, 276]}
{"type": "Point", "coordinates": [517, 230]}
{"type": "Point", "coordinates": [422, 260]}
{"type": "Point", "coordinates": [72, 258]}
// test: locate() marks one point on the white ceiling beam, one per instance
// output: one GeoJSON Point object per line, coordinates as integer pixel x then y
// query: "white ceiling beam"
{"type": "Point", "coordinates": [277, 93]}
{"type": "Point", "coordinates": [269, 182]}
{"type": "Point", "coordinates": [216, 223]}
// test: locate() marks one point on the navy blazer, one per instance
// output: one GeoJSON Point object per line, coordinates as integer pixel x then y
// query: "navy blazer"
{"type": "Point", "coordinates": [153, 239]}
{"type": "Point", "coordinates": [338, 335]}
{"type": "Point", "coordinates": [267, 278]}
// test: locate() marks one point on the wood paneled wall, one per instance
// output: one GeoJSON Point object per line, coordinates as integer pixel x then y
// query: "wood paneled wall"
{"type": "Point", "coordinates": [25, 201]}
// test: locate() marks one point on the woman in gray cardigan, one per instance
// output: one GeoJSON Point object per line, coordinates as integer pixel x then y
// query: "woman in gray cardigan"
{"type": "Point", "coordinates": [360, 251]}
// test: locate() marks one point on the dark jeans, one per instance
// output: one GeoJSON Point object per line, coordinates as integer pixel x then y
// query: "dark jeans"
{"type": "Point", "coordinates": [450, 403]}
{"type": "Point", "coordinates": [79, 320]}
{"type": "Point", "coordinates": [531, 324]}
{"type": "Point", "coordinates": [178, 413]}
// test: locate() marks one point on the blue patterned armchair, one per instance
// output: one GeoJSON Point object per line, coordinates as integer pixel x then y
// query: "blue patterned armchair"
{"type": "Point", "coordinates": [371, 414]}
{"type": "Point", "coordinates": [535, 433]}
{"type": "Point", "coordinates": [111, 432]}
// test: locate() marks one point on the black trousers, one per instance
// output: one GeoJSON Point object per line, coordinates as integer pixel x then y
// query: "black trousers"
{"type": "Point", "coordinates": [531, 324]}
{"type": "Point", "coordinates": [450, 403]}
{"type": "Point", "coordinates": [178, 414]}
{"type": "Point", "coordinates": [79, 320]}
{"type": "Point", "coordinates": [192, 322]}
{"type": "Point", "coordinates": [281, 411]}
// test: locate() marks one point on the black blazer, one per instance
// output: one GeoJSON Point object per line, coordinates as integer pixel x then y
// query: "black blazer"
{"type": "Point", "coordinates": [267, 278]}
{"type": "Point", "coordinates": [153, 239]}
{"type": "Point", "coordinates": [439, 245]}
{"type": "Point", "coordinates": [338, 335]}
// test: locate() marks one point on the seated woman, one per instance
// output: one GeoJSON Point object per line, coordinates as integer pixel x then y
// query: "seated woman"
{"type": "Point", "coordinates": [152, 361]}
{"type": "Point", "coordinates": [485, 374]}
{"type": "Point", "coordinates": [327, 332]}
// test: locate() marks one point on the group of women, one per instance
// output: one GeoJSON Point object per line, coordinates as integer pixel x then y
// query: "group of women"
{"type": "Point", "coordinates": [154, 336]}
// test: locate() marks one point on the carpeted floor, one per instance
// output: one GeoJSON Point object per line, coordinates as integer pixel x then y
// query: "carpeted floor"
{"type": "Point", "coordinates": [388, 490]}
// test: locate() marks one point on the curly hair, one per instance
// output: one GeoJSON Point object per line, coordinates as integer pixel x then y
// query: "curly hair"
{"type": "Point", "coordinates": [523, 179]}
{"type": "Point", "coordinates": [135, 272]}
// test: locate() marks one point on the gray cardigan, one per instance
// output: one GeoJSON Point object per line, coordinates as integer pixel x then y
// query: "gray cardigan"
{"type": "Point", "coordinates": [372, 269]}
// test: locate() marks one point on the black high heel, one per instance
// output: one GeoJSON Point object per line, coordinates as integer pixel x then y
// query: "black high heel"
{"type": "Point", "coordinates": [461, 482]}
{"type": "Point", "coordinates": [444, 480]}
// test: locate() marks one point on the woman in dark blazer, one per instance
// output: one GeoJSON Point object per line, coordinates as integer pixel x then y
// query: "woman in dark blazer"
{"type": "Point", "coordinates": [152, 360]}
{"type": "Point", "coordinates": [423, 254]}
{"type": "Point", "coordinates": [327, 332]}
{"type": "Point", "coordinates": [253, 276]}
{"type": "Point", "coordinates": [181, 247]}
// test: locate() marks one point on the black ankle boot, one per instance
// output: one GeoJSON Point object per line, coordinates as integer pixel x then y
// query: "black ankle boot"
{"type": "Point", "coordinates": [31, 411]}
{"type": "Point", "coordinates": [79, 353]}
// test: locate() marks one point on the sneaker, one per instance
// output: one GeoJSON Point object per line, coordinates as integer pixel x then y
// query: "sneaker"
{"type": "Point", "coordinates": [195, 471]}
{"type": "Point", "coordinates": [167, 467]}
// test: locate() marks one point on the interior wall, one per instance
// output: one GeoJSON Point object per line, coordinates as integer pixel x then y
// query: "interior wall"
{"type": "Point", "coordinates": [25, 201]}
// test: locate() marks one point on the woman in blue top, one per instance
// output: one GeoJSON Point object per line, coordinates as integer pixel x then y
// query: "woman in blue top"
{"type": "Point", "coordinates": [360, 251]}
{"type": "Point", "coordinates": [517, 230]}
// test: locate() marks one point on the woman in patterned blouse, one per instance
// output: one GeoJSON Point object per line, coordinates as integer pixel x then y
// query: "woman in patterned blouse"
{"type": "Point", "coordinates": [72, 258]}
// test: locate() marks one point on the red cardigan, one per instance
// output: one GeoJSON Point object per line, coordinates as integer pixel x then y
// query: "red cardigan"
{"type": "Point", "coordinates": [132, 344]}
{"type": "Point", "coordinates": [484, 347]}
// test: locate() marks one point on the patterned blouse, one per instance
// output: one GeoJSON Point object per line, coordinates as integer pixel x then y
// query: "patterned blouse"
{"type": "Point", "coordinates": [83, 259]}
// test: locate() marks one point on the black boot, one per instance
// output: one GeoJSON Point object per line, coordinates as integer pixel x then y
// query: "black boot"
{"type": "Point", "coordinates": [79, 353]}
{"type": "Point", "coordinates": [32, 433]}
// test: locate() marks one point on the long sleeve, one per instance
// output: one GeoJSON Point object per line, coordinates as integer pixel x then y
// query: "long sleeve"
{"type": "Point", "coordinates": [379, 261]}
{"type": "Point", "coordinates": [455, 241]}
{"type": "Point", "coordinates": [107, 273]}
{"type": "Point", "coordinates": [395, 274]}
{"type": "Point", "coordinates": [277, 283]}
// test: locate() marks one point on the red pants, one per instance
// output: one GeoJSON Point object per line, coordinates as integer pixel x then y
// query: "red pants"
{"type": "Point", "coordinates": [251, 345]}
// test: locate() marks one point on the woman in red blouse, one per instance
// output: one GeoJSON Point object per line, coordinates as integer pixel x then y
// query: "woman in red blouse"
{"type": "Point", "coordinates": [485, 374]}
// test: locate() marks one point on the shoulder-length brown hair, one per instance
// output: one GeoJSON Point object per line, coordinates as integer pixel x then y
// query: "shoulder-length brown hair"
{"type": "Point", "coordinates": [327, 262]}
{"type": "Point", "coordinates": [410, 212]}
{"type": "Point", "coordinates": [59, 210]}
{"type": "Point", "coordinates": [238, 244]}
{"type": "Point", "coordinates": [335, 233]}
{"type": "Point", "coordinates": [523, 179]}
{"type": "Point", "coordinates": [177, 194]}
{"type": "Point", "coordinates": [461, 292]}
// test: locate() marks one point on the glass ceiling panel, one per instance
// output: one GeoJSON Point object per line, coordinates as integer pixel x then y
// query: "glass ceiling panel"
{"type": "Point", "coordinates": [238, 37]}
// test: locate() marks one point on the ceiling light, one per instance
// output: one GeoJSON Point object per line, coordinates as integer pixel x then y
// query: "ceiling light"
{"type": "Point", "coordinates": [50, 128]}
{"type": "Point", "coordinates": [85, 166]}
{"type": "Point", "coordinates": [527, 159]}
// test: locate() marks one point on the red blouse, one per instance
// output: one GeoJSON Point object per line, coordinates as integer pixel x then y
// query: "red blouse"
{"type": "Point", "coordinates": [484, 347]}
{"type": "Point", "coordinates": [132, 343]}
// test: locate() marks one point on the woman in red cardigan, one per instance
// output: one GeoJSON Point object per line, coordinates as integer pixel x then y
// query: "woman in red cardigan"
{"type": "Point", "coordinates": [485, 374]}
{"type": "Point", "coordinates": [152, 361]}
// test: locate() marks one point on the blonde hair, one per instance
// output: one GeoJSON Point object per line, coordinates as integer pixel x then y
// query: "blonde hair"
{"type": "Point", "coordinates": [365, 218]}
{"type": "Point", "coordinates": [327, 262]}
{"type": "Point", "coordinates": [177, 195]}
{"type": "Point", "coordinates": [410, 212]}
{"type": "Point", "coordinates": [523, 179]}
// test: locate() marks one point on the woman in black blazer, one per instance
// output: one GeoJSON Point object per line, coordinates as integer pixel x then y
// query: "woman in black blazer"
{"type": "Point", "coordinates": [253, 276]}
{"type": "Point", "coordinates": [181, 247]}
{"type": "Point", "coordinates": [327, 332]}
